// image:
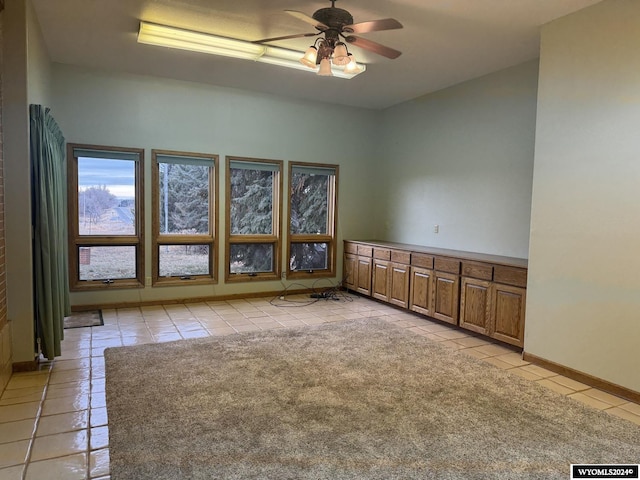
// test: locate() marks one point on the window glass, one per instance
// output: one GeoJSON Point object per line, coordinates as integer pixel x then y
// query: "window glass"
{"type": "Point", "coordinates": [184, 221]}
{"type": "Point", "coordinates": [309, 202]}
{"type": "Point", "coordinates": [106, 196]}
{"type": "Point", "coordinates": [251, 258]}
{"type": "Point", "coordinates": [254, 208]}
{"type": "Point", "coordinates": [251, 206]}
{"type": "Point", "coordinates": [309, 256]}
{"type": "Point", "coordinates": [107, 263]}
{"type": "Point", "coordinates": [105, 217]}
{"type": "Point", "coordinates": [184, 198]}
{"type": "Point", "coordinates": [312, 219]}
{"type": "Point", "coordinates": [183, 260]}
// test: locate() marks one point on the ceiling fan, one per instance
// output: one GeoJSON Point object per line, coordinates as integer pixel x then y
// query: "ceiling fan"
{"type": "Point", "coordinates": [338, 28]}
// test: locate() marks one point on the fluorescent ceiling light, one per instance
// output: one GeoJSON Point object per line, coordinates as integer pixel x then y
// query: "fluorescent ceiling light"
{"type": "Point", "coordinates": [172, 37]}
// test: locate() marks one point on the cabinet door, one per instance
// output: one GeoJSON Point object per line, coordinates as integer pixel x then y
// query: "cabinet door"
{"type": "Point", "coordinates": [475, 305]}
{"type": "Point", "coordinates": [399, 291]}
{"type": "Point", "coordinates": [363, 276]}
{"type": "Point", "coordinates": [508, 314]}
{"type": "Point", "coordinates": [380, 286]}
{"type": "Point", "coordinates": [350, 272]}
{"type": "Point", "coordinates": [446, 291]}
{"type": "Point", "coordinates": [420, 297]}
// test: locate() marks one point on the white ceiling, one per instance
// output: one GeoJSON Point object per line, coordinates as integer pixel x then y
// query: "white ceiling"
{"type": "Point", "coordinates": [444, 42]}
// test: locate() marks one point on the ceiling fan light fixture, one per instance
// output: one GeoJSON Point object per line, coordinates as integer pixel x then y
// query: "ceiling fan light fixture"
{"type": "Point", "coordinates": [310, 57]}
{"type": "Point", "coordinates": [340, 54]}
{"type": "Point", "coordinates": [173, 37]}
{"type": "Point", "coordinates": [325, 68]}
{"type": "Point", "coordinates": [352, 68]}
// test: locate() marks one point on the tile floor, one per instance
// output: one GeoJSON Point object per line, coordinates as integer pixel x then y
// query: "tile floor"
{"type": "Point", "coordinates": [53, 422]}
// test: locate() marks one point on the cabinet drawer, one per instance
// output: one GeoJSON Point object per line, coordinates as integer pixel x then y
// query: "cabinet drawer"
{"type": "Point", "coordinates": [483, 271]}
{"type": "Point", "coordinates": [382, 253]}
{"type": "Point", "coordinates": [400, 257]}
{"type": "Point", "coordinates": [365, 251]}
{"type": "Point", "coordinates": [449, 265]}
{"type": "Point", "coordinates": [350, 247]}
{"type": "Point", "coordinates": [422, 260]}
{"type": "Point", "coordinates": [510, 276]}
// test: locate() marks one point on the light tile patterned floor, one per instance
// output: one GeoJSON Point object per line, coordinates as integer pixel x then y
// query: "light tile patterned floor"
{"type": "Point", "coordinates": [53, 422]}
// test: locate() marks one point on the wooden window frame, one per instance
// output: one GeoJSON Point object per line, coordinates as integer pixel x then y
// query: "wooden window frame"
{"type": "Point", "coordinates": [329, 238]}
{"type": "Point", "coordinates": [275, 239]}
{"type": "Point", "coordinates": [160, 239]}
{"type": "Point", "coordinates": [76, 240]}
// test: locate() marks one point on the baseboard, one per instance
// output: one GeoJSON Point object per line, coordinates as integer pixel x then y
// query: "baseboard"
{"type": "Point", "coordinates": [585, 378]}
{"type": "Point", "coordinates": [216, 298]}
{"type": "Point", "coordinates": [24, 366]}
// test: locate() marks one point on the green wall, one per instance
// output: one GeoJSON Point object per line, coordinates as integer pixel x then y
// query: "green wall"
{"type": "Point", "coordinates": [106, 108]}
{"type": "Point", "coordinates": [462, 159]}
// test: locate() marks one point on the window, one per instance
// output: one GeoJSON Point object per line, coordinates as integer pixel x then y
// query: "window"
{"type": "Point", "coordinates": [253, 219]}
{"type": "Point", "coordinates": [184, 220]}
{"type": "Point", "coordinates": [106, 235]}
{"type": "Point", "coordinates": [312, 220]}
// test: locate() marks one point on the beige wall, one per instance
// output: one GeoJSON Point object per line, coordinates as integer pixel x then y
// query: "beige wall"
{"type": "Point", "coordinates": [26, 79]}
{"type": "Point", "coordinates": [16, 174]}
{"type": "Point", "coordinates": [583, 308]}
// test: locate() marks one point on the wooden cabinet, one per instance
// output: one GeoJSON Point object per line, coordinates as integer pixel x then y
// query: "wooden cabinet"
{"type": "Point", "coordinates": [446, 289]}
{"type": "Point", "coordinates": [491, 308]}
{"type": "Point", "coordinates": [475, 305]}
{"type": "Point", "coordinates": [421, 290]}
{"type": "Point", "coordinates": [380, 280]}
{"type": "Point", "coordinates": [363, 267]}
{"type": "Point", "coordinates": [482, 293]}
{"type": "Point", "coordinates": [391, 277]}
{"type": "Point", "coordinates": [350, 271]}
{"type": "Point", "coordinates": [421, 283]}
{"type": "Point", "coordinates": [508, 314]}
{"type": "Point", "coordinates": [357, 268]}
{"type": "Point", "coordinates": [399, 288]}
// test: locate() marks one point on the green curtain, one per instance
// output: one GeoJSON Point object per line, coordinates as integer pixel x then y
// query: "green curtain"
{"type": "Point", "coordinates": [49, 210]}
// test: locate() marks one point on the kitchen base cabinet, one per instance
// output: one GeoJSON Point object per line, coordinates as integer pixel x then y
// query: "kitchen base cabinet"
{"type": "Point", "coordinates": [475, 305]}
{"type": "Point", "coordinates": [357, 268]}
{"type": "Point", "coordinates": [399, 288]}
{"type": "Point", "coordinates": [363, 267]}
{"type": "Point", "coordinates": [390, 279]}
{"type": "Point", "coordinates": [508, 314]}
{"type": "Point", "coordinates": [482, 293]}
{"type": "Point", "coordinates": [350, 273]}
{"type": "Point", "coordinates": [380, 280]}
{"type": "Point", "coordinates": [446, 287]}
{"type": "Point", "coordinates": [420, 290]}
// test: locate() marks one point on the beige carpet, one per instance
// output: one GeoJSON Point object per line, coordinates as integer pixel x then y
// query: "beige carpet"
{"type": "Point", "coordinates": [353, 400]}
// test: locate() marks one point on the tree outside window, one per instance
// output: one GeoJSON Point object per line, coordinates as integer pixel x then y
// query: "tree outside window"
{"type": "Point", "coordinates": [183, 218]}
{"type": "Point", "coordinates": [312, 219]}
{"type": "Point", "coordinates": [253, 219]}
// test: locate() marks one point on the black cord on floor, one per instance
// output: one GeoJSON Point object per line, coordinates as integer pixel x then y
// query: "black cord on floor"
{"type": "Point", "coordinates": [331, 292]}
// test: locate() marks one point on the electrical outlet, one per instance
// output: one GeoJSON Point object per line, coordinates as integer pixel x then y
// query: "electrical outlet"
{"type": "Point", "coordinates": [147, 281]}
{"type": "Point", "coordinates": [284, 275]}
{"type": "Point", "coordinates": [436, 228]}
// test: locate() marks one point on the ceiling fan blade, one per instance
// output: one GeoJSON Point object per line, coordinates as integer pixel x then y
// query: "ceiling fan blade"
{"type": "Point", "coordinates": [373, 47]}
{"type": "Point", "coordinates": [373, 26]}
{"type": "Point", "coordinates": [286, 37]}
{"type": "Point", "coordinates": [306, 18]}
